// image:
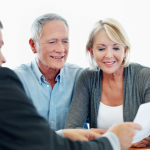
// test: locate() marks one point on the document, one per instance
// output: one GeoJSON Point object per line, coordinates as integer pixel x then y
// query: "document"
{"type": "Point", "coordinates": [142, 118]}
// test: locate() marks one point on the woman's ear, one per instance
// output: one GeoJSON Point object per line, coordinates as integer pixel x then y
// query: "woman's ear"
{"type": "Point", "coordinates": [125, 50]}
{"type": "Point", "coordinates": [91, 51]}
{"type": "Point", "coordinates": [32, 45]}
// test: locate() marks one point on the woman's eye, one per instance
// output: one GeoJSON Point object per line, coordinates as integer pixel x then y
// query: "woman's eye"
{"type": "Point", "coordinates": [116, 48]}
{"type": "Point", "coordinates": [101, 49]}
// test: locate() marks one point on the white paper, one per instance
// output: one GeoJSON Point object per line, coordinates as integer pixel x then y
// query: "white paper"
{"type": "Point", "coordinates": [142, 118]}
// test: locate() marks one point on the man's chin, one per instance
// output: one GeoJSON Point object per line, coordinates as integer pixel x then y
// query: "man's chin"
{"type": "Point", "coordinates": [57, 66]}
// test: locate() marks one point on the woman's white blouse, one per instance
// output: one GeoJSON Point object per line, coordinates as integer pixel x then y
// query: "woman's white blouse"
{"type": "Point", "coordinates": [108, 115]}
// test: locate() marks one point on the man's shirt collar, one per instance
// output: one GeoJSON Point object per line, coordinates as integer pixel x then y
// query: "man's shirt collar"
{"type": "Point", "coordinates": [59, 77]}
{"type": "Point", "coordinates": [40, 76]}
{"type": "Point", "coordinates": [36, 70]}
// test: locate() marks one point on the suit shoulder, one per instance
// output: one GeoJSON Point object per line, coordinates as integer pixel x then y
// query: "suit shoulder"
{"type": "Point", "coordinates": [6, 73]}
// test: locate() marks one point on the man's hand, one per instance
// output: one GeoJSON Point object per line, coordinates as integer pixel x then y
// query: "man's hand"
{"type": "Point", "coordinates": [98, 130]}
{"type": "Point", "coordinates": [80, 134]}
{"type": "Point", "coordinates": [125, 132]}
{"type": "Point", "coordinates": [142, 143]}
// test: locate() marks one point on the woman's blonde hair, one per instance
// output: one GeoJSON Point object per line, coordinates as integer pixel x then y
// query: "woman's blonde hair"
{"type": "Point", "coordinates": [116, 33]}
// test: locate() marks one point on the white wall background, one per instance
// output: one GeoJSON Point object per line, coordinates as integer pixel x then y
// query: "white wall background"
{"type": "Point", "coordinates": [18, 15]}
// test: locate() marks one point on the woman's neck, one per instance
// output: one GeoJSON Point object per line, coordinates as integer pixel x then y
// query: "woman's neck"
{"type": "Point", "coordinates": [113, 79]}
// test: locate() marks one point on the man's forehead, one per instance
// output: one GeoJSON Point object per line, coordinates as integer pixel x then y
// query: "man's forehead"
{"type": "Point", "coordinates": [54, 30]}
{"type": "Point", "coordinates": [57, 38]}
{"type": "Point", "coordinates": [55, 26]}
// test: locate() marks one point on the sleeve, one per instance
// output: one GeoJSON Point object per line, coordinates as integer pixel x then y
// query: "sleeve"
{"type": "Point", "coordinates": [77, 76]}
{"type": "Point", "coordinates": [145, 84]}
{"type": "Point", "coordinates": [79, 107]}
{"type": "Point", "coordinates": [60, 132]}
{"type": "Point", "coordinates": [21, 128]}
{"type": "Point", "coordinates": [147, 90]}
{"type": "Point", "coordinates": [147, 95]}
{"type": "Point", "coordinates": [113, 139]}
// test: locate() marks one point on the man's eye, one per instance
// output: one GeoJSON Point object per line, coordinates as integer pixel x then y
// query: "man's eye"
{"type": "Point", "coordinates": [65, 41]}
{"type": "Point", "coordinates": [116, 48]}
{"type": "Point", "coordinates": [51, 42]}
{"type": "Point", "coordinates": [101, 49]}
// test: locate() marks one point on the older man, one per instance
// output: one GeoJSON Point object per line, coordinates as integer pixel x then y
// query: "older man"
{"type": "Point", "coordinates": [48, 80]}
{"type": "Point", "coordinates": [21, 127]}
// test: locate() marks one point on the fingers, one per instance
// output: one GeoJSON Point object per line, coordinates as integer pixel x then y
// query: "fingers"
{"type": "Point", "coordinates": [147, 139]}
{"type": "Point", "coordinates": [142, 143]}
{"type": "Point", "coordinates": [100, 131]}
{"type": "Point", "coordinates": [136, 126]}
{"type": "Point", "coordinates": [145, 142]}
{"type": "Point", "coordinates": [138, 145]}
{"type": "Point", "coordinates": [93, 135]}
{"type": "Point", "coordinates": [75, 134]}
{"type": "Point", "coordinates": [83, 138]}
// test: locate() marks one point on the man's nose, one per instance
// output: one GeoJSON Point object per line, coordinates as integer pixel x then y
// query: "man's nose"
{"type": "Point", "coordinates": [60, 48]}
{"type": "Point", "coordinates": [3, 59]}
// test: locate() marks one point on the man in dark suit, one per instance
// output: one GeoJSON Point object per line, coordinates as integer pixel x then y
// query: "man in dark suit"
{"type": "Point", "coordinates": [21, 128]}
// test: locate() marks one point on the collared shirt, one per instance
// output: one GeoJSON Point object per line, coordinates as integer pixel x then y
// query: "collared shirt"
{"type": "Point", "coordinates": [52, 104]}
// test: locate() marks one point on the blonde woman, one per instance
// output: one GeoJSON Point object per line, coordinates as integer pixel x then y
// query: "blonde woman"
{"type": "Point", "coordinates": [113, 88]}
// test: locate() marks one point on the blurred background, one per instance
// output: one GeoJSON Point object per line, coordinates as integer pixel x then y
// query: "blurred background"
{"type": "Point", "coordinates": [18, 15]}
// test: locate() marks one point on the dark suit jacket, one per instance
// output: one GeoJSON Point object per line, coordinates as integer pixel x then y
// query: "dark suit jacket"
{"type": "Point", "coordinates": [21, 128]}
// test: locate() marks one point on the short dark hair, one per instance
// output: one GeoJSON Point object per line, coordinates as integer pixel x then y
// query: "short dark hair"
{"type": "Point", "coordinates": [1, 25]}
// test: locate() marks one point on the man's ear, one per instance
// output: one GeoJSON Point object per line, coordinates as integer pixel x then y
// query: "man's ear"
{"type": "Point", "coordinates": [91, 51]}
{"type": "Point", "coordinates": [32, 45]}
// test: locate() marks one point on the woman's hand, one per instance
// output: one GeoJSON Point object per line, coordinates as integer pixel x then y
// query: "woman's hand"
{"type": "Point", "coordinates": [145, 142]}
{"type": "Point", "coordinates": [98, 130]}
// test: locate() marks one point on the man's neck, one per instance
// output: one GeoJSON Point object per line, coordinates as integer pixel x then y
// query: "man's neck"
{"type": "Point", "coordinates": [48, 72]}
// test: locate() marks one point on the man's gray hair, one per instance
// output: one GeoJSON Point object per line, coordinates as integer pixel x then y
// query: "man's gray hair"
{"type": "Point", "coordinates": [1, 25]}
{"type": "Point", "coordinates": [36, 28]}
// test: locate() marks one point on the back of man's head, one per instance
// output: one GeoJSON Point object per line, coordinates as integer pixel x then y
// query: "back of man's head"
{"type": "Point", "coordinates": [1, 25]}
